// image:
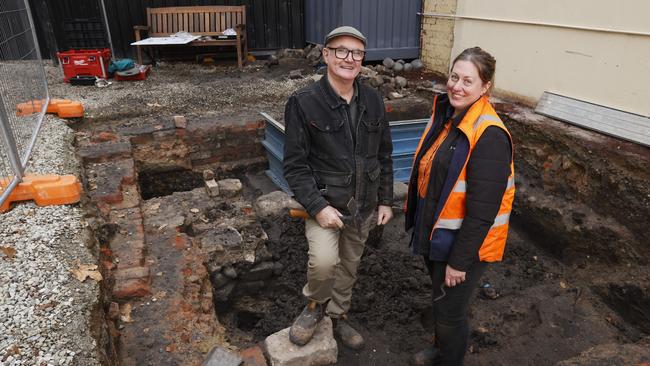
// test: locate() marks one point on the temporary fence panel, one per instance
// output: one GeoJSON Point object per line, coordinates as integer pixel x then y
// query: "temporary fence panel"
{"type": "Point", "coordinates": [392, 27]}
{"type": "Point", "coordinates": [405, 137]}
{"type": "Point", "coordinates": [22, 82]}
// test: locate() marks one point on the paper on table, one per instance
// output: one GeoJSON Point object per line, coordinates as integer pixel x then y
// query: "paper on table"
{"type": "Point", "coordinates": [177, 38]}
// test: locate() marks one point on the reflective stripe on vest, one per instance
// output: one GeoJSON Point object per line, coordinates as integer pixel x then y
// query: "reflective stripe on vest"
{"type": "Point", "coordinates": [455, 224]}
{"type": "Point", "coordinates": [461, 185]}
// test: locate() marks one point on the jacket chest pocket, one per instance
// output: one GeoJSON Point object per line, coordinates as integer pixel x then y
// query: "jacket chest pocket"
{"type": "Point", "coordinates": [372, 128]}
{"type": "Point", "coordinates": [326, 134]}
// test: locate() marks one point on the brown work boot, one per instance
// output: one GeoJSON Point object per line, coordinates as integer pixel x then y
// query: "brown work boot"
{"type": "Point", "coordinates": [426, 357]}
{"type": "Point", "coordinates": [304, 326]}
{"type": "Point", "coordinates": [348, 335]}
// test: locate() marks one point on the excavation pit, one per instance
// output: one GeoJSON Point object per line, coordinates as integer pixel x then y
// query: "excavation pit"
{"type": "Point", "coordinates": [201, 270]}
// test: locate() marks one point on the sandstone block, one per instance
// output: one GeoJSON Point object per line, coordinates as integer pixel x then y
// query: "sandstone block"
{"type": "Point", "coordinates": [180, 122]}
{"type": "Point", "coordinates": [321, 350]}
{"type": "Point", "coordinates": [220, 357]}
{"type": "Point", "coordinates": [230, 187]}
{"type": "Point", "coordinates": [275, 204]}
{"type": "Point", "coordinates": [212, 187]}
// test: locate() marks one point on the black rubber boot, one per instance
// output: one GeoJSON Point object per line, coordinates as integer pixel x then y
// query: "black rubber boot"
{"type": "Point", "coordinates": [348, 335]}
{"type": "Point", "coordinates": [305, 324]}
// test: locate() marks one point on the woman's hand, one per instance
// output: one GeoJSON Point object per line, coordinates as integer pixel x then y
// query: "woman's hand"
{"type": "Point", "coordinates": [453, 277]}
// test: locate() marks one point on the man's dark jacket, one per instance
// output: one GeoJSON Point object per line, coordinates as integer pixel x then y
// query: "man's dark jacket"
{"type": "Point", "coordinates": [324, 163]}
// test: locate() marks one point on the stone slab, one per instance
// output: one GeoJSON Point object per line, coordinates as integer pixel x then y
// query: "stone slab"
{"type": "Point", "coordinates": [220, 357]}
{"type": "Point", "coordinates": [321, 350]}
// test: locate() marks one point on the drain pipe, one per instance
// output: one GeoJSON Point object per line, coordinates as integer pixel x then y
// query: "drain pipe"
{"type": "Point", "coordinates": [528, 22]}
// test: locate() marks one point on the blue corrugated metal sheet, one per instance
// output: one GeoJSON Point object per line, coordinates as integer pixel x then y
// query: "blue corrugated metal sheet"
{"type": "Point", "coordinates": [392, 27]}
{"type": "Point", "coordinates": [405, 135]}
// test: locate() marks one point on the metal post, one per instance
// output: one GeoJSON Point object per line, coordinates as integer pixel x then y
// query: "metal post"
{"type": "Point", "coordinates": [9, 141]}
{"type": "Point", "coordinates": [108, 29]}
{"type": "Point", "coordinates": [39, 59]}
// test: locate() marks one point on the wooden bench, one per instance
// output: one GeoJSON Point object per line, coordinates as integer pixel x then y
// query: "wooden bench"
{"type": "Point", "coordinates": [199, 21]}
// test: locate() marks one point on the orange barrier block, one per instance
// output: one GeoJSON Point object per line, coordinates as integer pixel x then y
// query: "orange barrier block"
{"type": "Point", "coordinates": [64, 108]}
{"type": "Point", "coordinates": [45, 190]}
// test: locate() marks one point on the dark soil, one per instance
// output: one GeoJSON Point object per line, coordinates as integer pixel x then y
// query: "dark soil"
{"type": "Point", "coordinates": [530, 309]}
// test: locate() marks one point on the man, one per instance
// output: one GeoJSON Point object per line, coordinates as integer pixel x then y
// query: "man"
{"type": "Point", "coordinates": [338, 147]}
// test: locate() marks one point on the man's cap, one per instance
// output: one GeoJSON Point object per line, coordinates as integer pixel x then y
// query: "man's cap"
{"type": "Point", "coordinates": [345, 31]}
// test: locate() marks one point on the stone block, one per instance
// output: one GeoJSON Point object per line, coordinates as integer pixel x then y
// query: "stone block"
{"type": "Point", "coordinates": [212, 187]}
{"type": "Point", "coordinates": [230, 187]}
{"type": "Point", "coordinates": [106, 180]}
{"type": "Point", "coordinates": [321, 350]}
{"type": "Point", "coordinates": [260, 271]}
{"type": "Point", "coordinates": [253, 356]}
{"type": "Point", "coordinates": [103, 151]}
{"type": "Point", "coordinates": [220, 357]}
{"type": "Point", "coordinates": [180, 122]}
{"type": "Point", "coordinates": [274, 204]}
{"type": "Point", "coordinates": [222, 295]}
{"type": "Point", "coordinates": [223, 236]}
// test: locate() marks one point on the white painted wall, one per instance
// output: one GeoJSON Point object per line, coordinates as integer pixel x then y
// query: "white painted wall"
{"type": "Point", "coordinates": [604, 68]}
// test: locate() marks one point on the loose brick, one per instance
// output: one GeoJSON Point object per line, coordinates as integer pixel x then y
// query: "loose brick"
{"type": "Point", "coordinates": [130, 288]}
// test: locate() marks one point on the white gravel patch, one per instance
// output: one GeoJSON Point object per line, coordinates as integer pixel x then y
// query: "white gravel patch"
{"type": "Point", "coordinates": [45, 312]}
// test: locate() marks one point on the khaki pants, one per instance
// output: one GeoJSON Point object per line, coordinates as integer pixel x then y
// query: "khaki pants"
{"type": "Point", "coordinates": [334, 256]}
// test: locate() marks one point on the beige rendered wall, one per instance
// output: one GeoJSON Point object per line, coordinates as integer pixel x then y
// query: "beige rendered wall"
{"type": "Point", "coordinates": [605, 68]}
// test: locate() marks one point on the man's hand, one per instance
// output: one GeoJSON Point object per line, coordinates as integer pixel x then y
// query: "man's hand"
{"type": "Point", "coordinates": [384, 214]}
{"type": "Point", "coordinates": [453, 277]}
{"type": "Point", "coordinates": [329, 217]}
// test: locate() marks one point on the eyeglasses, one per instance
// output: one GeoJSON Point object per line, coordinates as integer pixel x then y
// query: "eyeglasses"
{"type": "Point", "coordinates": [342, 53]}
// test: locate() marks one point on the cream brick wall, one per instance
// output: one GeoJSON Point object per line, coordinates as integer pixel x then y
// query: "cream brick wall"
{"type": "Point", "coordinates": [437, 35]}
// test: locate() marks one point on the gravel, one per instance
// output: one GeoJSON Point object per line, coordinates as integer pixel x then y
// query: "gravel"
{"type": "Point", "coordinates": [45, 312]}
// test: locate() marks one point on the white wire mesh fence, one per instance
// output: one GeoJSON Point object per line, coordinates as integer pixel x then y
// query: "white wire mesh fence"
{"type": "Point", "coordinates": [23, 92]}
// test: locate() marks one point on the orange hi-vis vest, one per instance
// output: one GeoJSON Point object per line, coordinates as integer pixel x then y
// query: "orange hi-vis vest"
{"type": "Point", "coordinates": [478, 118]}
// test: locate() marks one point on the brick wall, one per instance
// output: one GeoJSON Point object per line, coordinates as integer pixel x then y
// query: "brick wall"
{"type": "Point", "coordinates": [438, 35]}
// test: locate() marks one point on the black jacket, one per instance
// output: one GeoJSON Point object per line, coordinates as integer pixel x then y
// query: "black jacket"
{"type": "Point", "coordinates": [488, 169]}
{"type": "Point", "coordinates": [323, 164]}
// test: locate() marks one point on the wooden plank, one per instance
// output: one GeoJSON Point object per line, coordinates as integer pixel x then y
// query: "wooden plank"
{"type": "Point", "coordinates": [164, 23]}
{"type": "Point", "coordinates": [613, 122]}
{"type": "Point", "coordinates": [222, 16]}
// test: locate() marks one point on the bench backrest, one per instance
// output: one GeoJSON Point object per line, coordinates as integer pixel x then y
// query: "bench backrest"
{"type": "Point", "coordinates": [198, 20]}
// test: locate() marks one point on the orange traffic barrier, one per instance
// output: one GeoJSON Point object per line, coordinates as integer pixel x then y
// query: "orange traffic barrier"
{"type": "Point", "coordinates": [45, 190]}
{"type": "Point", "coordinates": [64, 108]}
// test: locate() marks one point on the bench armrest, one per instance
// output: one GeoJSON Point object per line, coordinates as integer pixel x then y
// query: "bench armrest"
{"type": "Point", "coordinates": [140, 27]}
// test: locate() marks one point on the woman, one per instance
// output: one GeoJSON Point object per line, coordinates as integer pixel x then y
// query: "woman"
{"type": "Point", "coordinates": [460, 197]}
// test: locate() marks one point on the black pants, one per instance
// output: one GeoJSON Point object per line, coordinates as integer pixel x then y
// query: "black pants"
{"type": "Point", "coordinates": [450, 311]}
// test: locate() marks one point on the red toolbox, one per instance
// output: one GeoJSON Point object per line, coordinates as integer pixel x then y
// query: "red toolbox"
{"type": "Point", "coordinates": [84, 63]}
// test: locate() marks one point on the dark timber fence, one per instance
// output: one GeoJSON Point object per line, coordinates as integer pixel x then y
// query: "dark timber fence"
{"type": "Point", "coordinates": [72, 24]}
